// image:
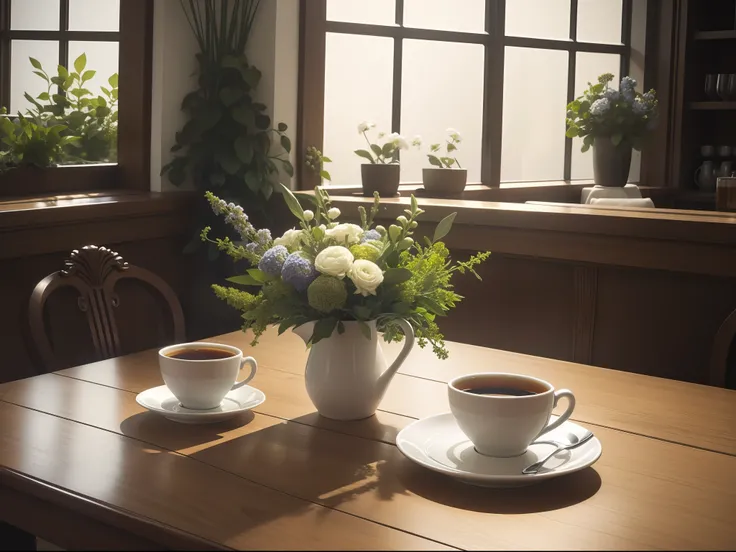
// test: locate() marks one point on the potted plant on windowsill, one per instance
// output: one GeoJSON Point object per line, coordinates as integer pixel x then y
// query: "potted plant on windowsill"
{"type": "Point", "coordinates": [64, 125]}
{"type": "Point", "coordinates": [446, 176]}
{"type": "Point", "coordinates": [612, 122]}
{"type": "Point", "coordinates": [381, 173]}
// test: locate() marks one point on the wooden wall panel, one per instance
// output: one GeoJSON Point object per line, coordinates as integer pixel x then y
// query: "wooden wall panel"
{"type": "Point", "coordinates": [522, 304]}
{"type": "Point", "coordinates": [659, 323]}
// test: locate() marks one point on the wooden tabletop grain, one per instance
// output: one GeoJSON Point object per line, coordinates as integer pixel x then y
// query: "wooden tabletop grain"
{"type": "Point", "coordinates": [76, 446]}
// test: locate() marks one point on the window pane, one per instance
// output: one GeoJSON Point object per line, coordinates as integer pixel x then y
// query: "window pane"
{"type": "Point", "coordinates": [101, 57]}
{"type": "Point", "coordinates": [94, 15]}
{"type": "Point", "coordinates": [588, 68]}
{"type": "Point", "coordinates": [22, 78]}
{"type": "Point", "coordinates": [538, 18]}
{"type": "Point", "coordinates": [378, 12]}
{"type": "Point", "coordinates": [446, 15]}
{"type": "Point", "coordinates": [599, 21]}
{"type": "Point", "coordinates": [355, 92]}
{"type": "Point", "coordinates": [432, 101]}
{"type": "Point", "coordinates": [34, 15]}
{"type": "Point", "coordinates": [534, 100]}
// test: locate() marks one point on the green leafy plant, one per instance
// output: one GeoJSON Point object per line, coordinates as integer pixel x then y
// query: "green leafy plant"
{"type": "Point", "coordinates": [228, 142]}
{"type": "Point", "coordinates": [32, 141]}
{"type": "Point", "coordinates": [315, 161]}
{"type": "Point", "coordinates": [385, 153]}
{"type": "Point", "coordinates": [65, 124]}
{"type": "Point", "coordinates": [450, 159]}
{"type": "Point", "coordinates": [331, 272]}
{"type": "Point", "coordinates": [624, 115]}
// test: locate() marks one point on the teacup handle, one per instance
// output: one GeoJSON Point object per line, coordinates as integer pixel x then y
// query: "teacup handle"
{"type": "Point", "coordinates": [566, 393]}
{"type": "Point", "coordinates": [253, 368]}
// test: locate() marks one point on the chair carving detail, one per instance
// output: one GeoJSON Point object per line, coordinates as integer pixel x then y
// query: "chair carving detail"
{"type": "Point", "coordinates": [94, 271]}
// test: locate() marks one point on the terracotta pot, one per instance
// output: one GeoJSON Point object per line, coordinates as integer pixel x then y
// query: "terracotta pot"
{"type": "Point", "coordinates": [611, 163]}
{"type": "Point", "coordinates": [380, 178]}
{"type": "Point", "coordinates": [444, 181]}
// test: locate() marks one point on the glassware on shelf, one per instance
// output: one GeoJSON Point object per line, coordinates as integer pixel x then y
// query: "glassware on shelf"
{"type": "Point", "coordinates": [722, 86]}
{"type": "Point", "coordinates": [710, 87]}
{"type": "Point", "coordinates": [705, 176]}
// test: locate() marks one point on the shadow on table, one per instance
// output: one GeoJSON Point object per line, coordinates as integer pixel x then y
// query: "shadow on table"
{"type": "Point", "coordinates": [155, 429]}
{"type": "Point", "coordinates": [553, 494]}
{"type": "Point", "coordinates": [336, 463]}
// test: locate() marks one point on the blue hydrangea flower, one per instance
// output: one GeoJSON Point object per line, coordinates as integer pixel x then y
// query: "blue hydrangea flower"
{"type": "Point", "coordinates": [252, 248]}
{"type": "Point", "coordinates": [639, 107]}
{"type": "Point", "coordinates": [649, 97]}
{"type": "Point", "coordinates": [627, 83]}
{"type": "Point", "coordinates": [298, 271]}
{"type": "Point", "coordinates": [370, 235]}
{"type": "Point", "coordinates": [600, 107]}
{"type": "Point", "coordinates": [273, 260]}
{"type": "Point", "coordinates": [629, 95]}
{"type": "Point", "coordinates": [611, 94]}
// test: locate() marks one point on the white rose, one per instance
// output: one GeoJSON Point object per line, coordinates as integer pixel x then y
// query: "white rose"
{"type": "Point", "coordinates": [345, 233]}
{"type": "Point", "coordinates": [334, 261]}
{"type": "Point", "coordinates": [333, 213]}
{"type": "Point", "coordinates": [366, 275]}
{"type": "Point", "coordinates": [308, 215]}
{"type": "Point", "coordinates": [291, 238]}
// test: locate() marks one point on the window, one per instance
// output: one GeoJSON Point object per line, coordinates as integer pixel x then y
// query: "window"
{"type": "Point", "coordinates": [114, 45]}
{"type": "Point", "coordinates": [501, 72]}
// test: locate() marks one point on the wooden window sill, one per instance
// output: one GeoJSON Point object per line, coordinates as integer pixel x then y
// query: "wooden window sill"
{"type": "Point", "coordinates": [49, 223]}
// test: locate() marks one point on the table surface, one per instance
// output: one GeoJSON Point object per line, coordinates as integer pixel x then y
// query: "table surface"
{"type": "Point", "coordinates": [77, 443]}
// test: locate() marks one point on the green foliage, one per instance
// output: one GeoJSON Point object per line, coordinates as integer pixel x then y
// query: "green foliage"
{"type": "Point", "coordinates": [66, 124]}
{"type": "Point", "coordinates": [228, 143]}
{"type": "Point", "coordinates": [416, 282]}
{"type": "Point", "coordinates": [315, 161]}
{"type": "Point", "coordinates": [382, 154]}
{"type": "Point", "coordinates": [625, 116]}
{"type": "Point", "coordinates": [451, 146]}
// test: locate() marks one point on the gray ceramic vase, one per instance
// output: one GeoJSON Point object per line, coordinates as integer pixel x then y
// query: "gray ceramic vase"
{"type": "Point", "coordinates": [444, 181]}
{"type": "Point", "coordinates": [611, 163]}
{"type": "Point", "coordinates": [380, 178]}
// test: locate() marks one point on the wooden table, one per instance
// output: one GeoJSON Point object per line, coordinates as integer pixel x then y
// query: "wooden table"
{"type": "Point", "coordinates": [84, 466]}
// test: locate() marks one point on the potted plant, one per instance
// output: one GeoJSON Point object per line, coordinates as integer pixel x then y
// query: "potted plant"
{"type": "Point", "coordinates": [446, 176]}
{"type": "Point", "coordinates": [69, 127]}
{"type": "Point", "coordinates": [381, 173]}
{"type": "Point", "coordinates": [336, 285]}
{"type": "Point", "coordinates": [612, 122]}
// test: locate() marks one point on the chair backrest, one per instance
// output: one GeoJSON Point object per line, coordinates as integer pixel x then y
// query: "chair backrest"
{"type": "Point", "coordinates": [94, 272]}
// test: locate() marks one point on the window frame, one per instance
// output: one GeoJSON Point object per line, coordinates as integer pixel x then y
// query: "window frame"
{"type": "Point", "coordinates": [313, 31]}
{"type": "Point", "coordinates": [135, 39]}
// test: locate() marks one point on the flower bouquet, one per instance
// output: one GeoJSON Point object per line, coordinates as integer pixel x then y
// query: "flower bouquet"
{"type": "Point", "coordinates": [612, 122]}
{"type": "Point", "coordinates": [336, 284]}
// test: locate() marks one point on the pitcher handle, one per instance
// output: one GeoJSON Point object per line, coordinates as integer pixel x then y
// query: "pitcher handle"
{"type": "Point", "coordinates": [405, 350]}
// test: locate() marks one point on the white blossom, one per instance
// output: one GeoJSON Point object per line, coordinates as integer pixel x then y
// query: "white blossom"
{"type": "Point", "coordinates": [366, 275]}
{"type": "Point", "coordinates": [365, 126]}
{"type": "Point", "coordinates": [291, 238]}
{"type": "Point", "coordinates": [308, 215]}
{"type": "Point", "coordinates": [335, 260]}
{"type": "Point", "coordinates": [333, 213]}
{"type": "Point", "coordinates": [345, 233]}
{"type": "Point", "coordinates": [398, 140]}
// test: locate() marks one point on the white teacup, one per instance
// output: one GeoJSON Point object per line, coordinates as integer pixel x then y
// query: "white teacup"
{"type": "Point", "coordinates": [502, 414]}
{"type": "Point", "coordinates": [201, 374]}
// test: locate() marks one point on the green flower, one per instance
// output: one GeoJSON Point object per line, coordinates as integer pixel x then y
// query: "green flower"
{"type": "Point", "coordinates": [327, 293]}
{"type": "Point", "coordinates": [365, 251]}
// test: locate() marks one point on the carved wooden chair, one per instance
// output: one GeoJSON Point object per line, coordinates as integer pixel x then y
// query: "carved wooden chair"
{"type": "Point", "coordinates": [723, 354]}
{"type": "Point", "coordinates": [93, 273]}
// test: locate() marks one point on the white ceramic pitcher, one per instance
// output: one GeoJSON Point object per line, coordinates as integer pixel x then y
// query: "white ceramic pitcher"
{"type": "Point", "coordinates": [346, 373]}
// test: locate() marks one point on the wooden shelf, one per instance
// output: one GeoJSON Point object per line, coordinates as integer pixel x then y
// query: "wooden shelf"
{"type": "Point", "coordinates": [712, 106]}
{"type": "Point", "coordinates": [715, 35]}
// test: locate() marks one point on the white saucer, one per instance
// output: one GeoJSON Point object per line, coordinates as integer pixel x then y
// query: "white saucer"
{"type": "Point", "coordinates": [161, 400]}
{"type": "Point", "coordinates": [438, 443]}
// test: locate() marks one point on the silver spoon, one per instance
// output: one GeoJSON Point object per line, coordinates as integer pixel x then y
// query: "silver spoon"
{"type": "Point", "coordinates": [574, 443]}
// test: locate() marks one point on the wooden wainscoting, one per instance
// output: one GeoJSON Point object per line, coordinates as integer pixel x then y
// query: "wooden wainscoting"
{"type": "Point", "coordinates": [651, 322]}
